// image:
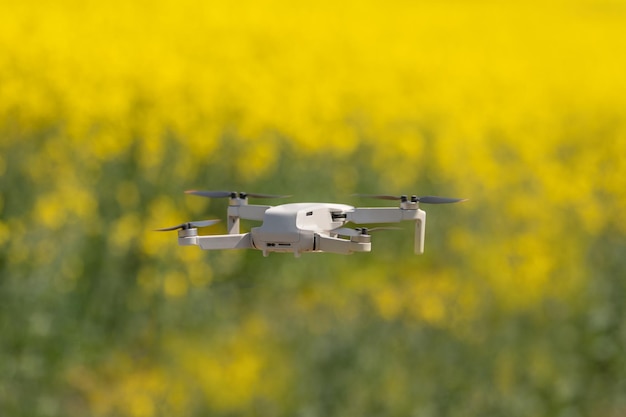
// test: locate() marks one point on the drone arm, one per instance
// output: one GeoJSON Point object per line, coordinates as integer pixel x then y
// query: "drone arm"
{"type": "Point", "coordinates": [230, 241]}
{"type": "Point", "coordinates": [374, 215]}
{"type": "Point", "coordinates": [341, 246]}
{"type": "Point", "coordinates": [247, 212]}
{"type": "Point", "coordinates": [251, 212]}
{"type": "Point", "coordinates": [393, 215]}
{"type": "Point", "coordinates": [380, 215]}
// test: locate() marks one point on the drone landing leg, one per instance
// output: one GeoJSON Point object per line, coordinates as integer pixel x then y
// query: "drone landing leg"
{"type": "Point", "coordinates": [420, 232]}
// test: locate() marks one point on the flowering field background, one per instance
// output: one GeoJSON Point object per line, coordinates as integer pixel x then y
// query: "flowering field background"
{"type": "Point", "coordinates": [109, 110]}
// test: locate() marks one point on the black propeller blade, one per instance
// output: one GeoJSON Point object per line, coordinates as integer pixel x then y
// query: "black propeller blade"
{"type": "Point", "coordinates": [189, 225]}
{"type": "Point", "coordinates": [232, 194]}
{"type": "Point", "coordinates": [427, 199]}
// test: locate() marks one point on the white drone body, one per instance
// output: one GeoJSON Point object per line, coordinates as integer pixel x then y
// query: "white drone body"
{"type": "Point", "coordinates": [304, 227]}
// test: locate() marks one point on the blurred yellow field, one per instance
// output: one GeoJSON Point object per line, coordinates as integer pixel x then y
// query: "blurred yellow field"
{"type": "Point", "coordinates": [107, 109]}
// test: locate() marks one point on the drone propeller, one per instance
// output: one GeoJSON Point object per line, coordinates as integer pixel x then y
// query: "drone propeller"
{"type": "Point", "coordinates": [231, 194]}
{"type": "Point", "coordinates": [189, 225]}
{"type": "Point", "coordinates": [427, 199]}
{"type": "Point", "coordinates": [345, 231]}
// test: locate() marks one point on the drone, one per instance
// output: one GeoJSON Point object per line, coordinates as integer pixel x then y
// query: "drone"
{"type": "Point", "coordinates": [304, 227]}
